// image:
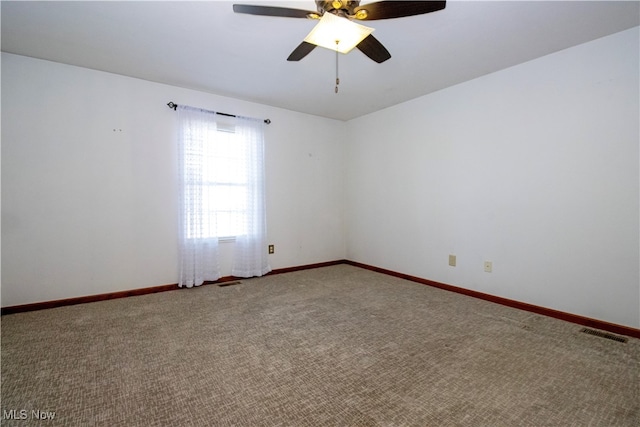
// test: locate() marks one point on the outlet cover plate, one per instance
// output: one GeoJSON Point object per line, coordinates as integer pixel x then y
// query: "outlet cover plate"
{"type": "Point", "coordinates": [488, 266]}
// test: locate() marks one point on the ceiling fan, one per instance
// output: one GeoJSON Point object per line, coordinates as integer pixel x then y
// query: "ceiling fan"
{"type": "Point", "coordinates": [352, 11]}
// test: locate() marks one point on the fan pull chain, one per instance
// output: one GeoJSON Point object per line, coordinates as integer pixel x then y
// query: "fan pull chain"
{"type": "Point", "coordinates": [337, 78]}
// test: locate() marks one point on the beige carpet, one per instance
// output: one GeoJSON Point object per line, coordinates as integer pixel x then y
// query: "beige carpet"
{"type": "Point", "coordinates": [334, 346]}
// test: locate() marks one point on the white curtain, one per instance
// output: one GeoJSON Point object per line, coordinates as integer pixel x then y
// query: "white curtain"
{"type": "Point", "coordinates": [198, 249]}
{"type": "Point", "coordinates": [222, 193]}
{"type": "Point", "coordinates": [250, 256]}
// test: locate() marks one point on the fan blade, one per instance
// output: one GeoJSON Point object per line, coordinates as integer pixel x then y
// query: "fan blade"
{"type": "Point", "coordinates": [371, 47]}
{"type": "Point", "coordinates": [272, 11]}
{"type": "Point", "coordinates": [301, 51]}
{"type": "Point", "coordinates": [397, 9]}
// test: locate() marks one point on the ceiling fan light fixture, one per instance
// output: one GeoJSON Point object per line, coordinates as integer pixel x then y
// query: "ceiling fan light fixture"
{"type": "Point", "coordinates": [337, 33]}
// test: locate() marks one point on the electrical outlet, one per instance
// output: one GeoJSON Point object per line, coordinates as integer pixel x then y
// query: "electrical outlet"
{"type": "Point", "coordinates": [488, 266]}
{"type": "Point", "coordinates": [272, 249]}
{"type": "Point", "coordinates": [452, 260]}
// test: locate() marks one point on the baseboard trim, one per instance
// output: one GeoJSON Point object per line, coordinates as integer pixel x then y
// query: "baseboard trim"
{"type": "Point", "coordinates": [308, 266]}
{"type": "Point", "coordinates": [281, 270]}
{"type": "Point", "coordinates": [569, 317]}
{"type": "Point", "coordinates": [85, 299]}
{"type": "Point", "coordinates": [142, 291]}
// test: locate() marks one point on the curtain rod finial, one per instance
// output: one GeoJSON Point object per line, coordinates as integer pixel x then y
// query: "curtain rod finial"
{"type": "Point", "coordinates": [172, 105]}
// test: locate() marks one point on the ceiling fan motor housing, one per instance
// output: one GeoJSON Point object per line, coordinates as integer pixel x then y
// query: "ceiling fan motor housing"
{"type": "Point", "coordinates": [338, 7]}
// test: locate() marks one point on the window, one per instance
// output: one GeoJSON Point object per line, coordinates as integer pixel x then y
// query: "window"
{"type": "Point", "coordinates": [221, 183]}
{"type": "Point", "coordinates": [219, 167]}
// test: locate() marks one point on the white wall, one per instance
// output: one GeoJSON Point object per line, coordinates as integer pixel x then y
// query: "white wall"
{"type": "Point", "coordinates": [534, 168]}
{"type": "Point", "coordinates": [89, 210]}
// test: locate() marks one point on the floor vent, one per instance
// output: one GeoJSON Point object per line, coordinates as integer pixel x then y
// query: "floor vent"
{"type": "Point", "coordinates": [228, 284]}
{"type": "Point", "coordinates": [604, 335]}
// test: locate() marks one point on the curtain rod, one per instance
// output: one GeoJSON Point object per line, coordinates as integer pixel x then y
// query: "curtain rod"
{"type": "Point", "coordinates": [174, 106]}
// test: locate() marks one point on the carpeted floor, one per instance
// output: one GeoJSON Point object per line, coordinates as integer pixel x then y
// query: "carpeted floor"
{"type": "Point", "coordinates": [334, 346]}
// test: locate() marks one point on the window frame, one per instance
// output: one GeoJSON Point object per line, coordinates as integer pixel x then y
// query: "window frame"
{"type": "Point", "coordinates": [213, 182]}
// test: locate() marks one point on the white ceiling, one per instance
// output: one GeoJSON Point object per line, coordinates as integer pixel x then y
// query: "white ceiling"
{"type": "Point", "coordinates": [205, 46]}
